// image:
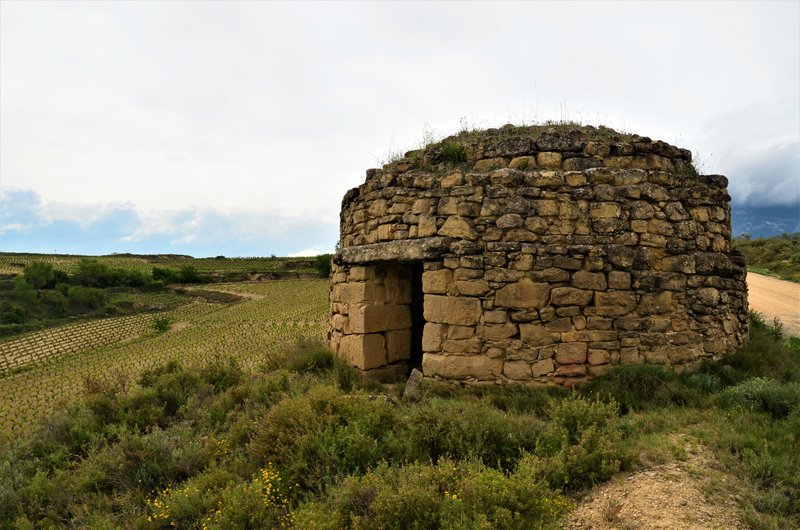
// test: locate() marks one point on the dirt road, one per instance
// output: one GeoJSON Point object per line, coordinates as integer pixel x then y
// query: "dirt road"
{"type": "Point", "coordinates": [776, 298]}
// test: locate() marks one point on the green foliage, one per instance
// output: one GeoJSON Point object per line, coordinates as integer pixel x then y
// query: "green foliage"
{"type": "Point", "coordinates": [764, 355]}
{"type": "Point", "coordinates": [83, 299]}
{"type": "Point", "coordinates": [309, 356]}
{"type": "Point", "coordinates": [39, 275]}
{"type": "Point", "coordinates": [448, 494]}
{"type": "Point", "coordinates": [162, 323]}
{"type": "Point", "coordinates": [777, 399]}
{"type": "Point", "coordinates": [579, 447]}
{"type": "Point", "coordinates": [454, 152]}
{"type": "Point", "coordinates": [779, 255]}
{"type": "Point", "coordinates": [642, 386]}
{"type": "Point", "coordinates": [322, 264]}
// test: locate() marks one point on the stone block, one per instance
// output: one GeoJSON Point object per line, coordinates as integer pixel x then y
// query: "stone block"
{"type": "Point", "coordinates": [458, 227]}
{"type": "Point", "coordinates": [487, 164]}
{"type": "Point", "coordinates": [619, 280]}
{"type": "Point", "coordinates": [363, 351]}
{"type": "Point", "coordinates": [510, 220]}
{"type": "Point", "coordinates": [398, 345]}
{"type": "Point", "coordinates": [546, 208]}
{"type": "Point", "coordinates": [542, 368]}
{"type": "Point", "coordinates": [524, 294]}
{"type": "Point", "coordinates": [517, 370]}
{"type": "Point", "coordinates": [589, 335]}
{"type": "Point", "coordinates": [472, 345]}
{"type": "Point", "coordinates": [360, 274]}
{"type": "Point", "coordinates": [432, 336]}
{"type": "Point", "coordinates": [551, 274]}
{"type": "Point", "coordinates": [460, 332]}
{"type": "Point", "coordinates": [571, 352]}
{"type": "Point", "coordinates": [598, 356]}
{"type": "Point", "coordinates": [614, 303]}
{"type": "Point", "coordinates": [535, 335]}
{"type": "Point", "coordinates": [472, 287]}
{"type": "Point", "coordinates": [497, 316]}
{"type": "Point", "coordinates": [595, 281]}
{"type": "Point", "coordinates": [571, 370]}
{"type": "Point", "coordinates": [545, 179]}
{"type": "Point", "coordinates": [477, 367]}
{"type": "Point", "coordinates": [567, 296]}
{"type": "Point", "coordinates": [523, 163]}
{"type": "Point", "coordinates": [422, 206]}
{"type": "Point", "coordinates": [437, 282]}
{"type": "Point", "coordinates": [358, 292]}
{"type": "Point", "coordinates": [652, 304]}
{"type": "Point", "coordinates": [549, 160]}
{"type": "Point", "coordinates": [559, 325]}
{"type": "Point", "coordinates": [371, 318]}
{"type": "Point", "coordinates": [497, 331]}
{"type": "Point", "coordinates": [605, 210]}
{"type": "Point", "coordinates": [462, 311]}
{"type": "Point", "coordinates": [426, 226]}
{"type": "Point", "coordinates": [452, 180]}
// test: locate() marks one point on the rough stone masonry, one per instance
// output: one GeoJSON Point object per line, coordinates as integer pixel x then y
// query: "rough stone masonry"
{"type": "Point", "coordinates": [536, 255]}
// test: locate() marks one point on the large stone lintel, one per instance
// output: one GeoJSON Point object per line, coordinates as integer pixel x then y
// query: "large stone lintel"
{"type": "Point", "coordinates": [402, 250]}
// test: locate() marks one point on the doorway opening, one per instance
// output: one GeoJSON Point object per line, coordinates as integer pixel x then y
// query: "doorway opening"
{"type": "Point", "coordinates": [416, 308]}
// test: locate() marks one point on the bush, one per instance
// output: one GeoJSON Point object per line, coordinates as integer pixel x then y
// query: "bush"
{"type": "Point", "coordinates": [579, 447]}
{"type": "Point", "coordinates": [640, 386]}
{"type": "Point", "coordinates": [309, 356]}
{"type": "Point", "coordinates": [777, 399]}
{"type": "Point", "coordinates": [162, 323]}
{"type": "Point", "coordinates": [764, 355]}
{"type": "Point", "coordinates": [454, 152]}
{"type": "Point", "coordinates": [322, 264]}
{"type": "Point", "coordinates": [39, 275]}
{"type": "Point", "coordinates": [456, 495]}
{"type": "Point", "coordinates": [86, 298]}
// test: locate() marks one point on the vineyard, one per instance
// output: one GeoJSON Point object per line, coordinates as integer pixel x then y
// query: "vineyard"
{"type": "Point", "coordinates": [40, 370]}
{"type": "Point", "coordinates": [14, 263]}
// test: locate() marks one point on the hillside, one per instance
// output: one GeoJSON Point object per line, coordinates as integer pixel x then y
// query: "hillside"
{"type": "Point", "coordinates": [775, 256]}
{"type": "Point", "coordinates": [227, 421]}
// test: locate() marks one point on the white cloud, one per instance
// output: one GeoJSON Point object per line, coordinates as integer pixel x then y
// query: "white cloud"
{"type": "Point", "coordinates": [309, 252]}
{"type": "Point", "coordinates": [266, 113]}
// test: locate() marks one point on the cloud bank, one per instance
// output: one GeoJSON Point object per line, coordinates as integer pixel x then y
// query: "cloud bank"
{"type": "Point", "coordinates": [27, 224]}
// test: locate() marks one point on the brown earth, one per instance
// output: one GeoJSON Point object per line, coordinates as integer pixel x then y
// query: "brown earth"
{"type": "Point", "coordinates": [690, 493]}
{"type": "Point", "coordinates": [775, 298]}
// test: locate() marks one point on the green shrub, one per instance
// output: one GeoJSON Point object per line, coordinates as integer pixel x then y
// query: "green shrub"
{"type": "Point", "coordinates": [640, 386]}
{"type": "Point", "coordinates": [467, 429]}
{"type": "Point", "coordinates": [322, 264]}
{"type": "Point", "coordinates": [162, 323]}
{"type": "Point", "coordinates": [579, 447]}
{"type": "Point", "coordinates": [309, 356]}
{"type": "Point", "coordinates": [777, 399]}
{"type": "Point", "coordinates": [454, 152]}
{"type": "Point", "coordinates": [39, 275]}
{"type": "Point", "coordinates": [262, 502]}
{"type": "Point", "coordinates": [194, 500]}
{"type": "Point", "coordinates": [764, 355]}
{"type": "Point", "coordinates": [455, 495]}
{"type": "Point", "coordinates": [86, 298]}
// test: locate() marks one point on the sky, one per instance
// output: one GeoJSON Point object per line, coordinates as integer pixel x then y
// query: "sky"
{"type": "Point", "coordinates": [235, 128]}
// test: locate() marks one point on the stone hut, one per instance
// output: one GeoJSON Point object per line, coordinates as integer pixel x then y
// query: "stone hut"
{"type": "Point", "coordinates": [536, 254]}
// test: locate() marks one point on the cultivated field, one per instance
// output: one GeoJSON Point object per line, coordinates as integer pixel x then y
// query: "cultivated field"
{"type": "Point", "coordinates": [39, 370]}
{"type": "Point", "coordinates": [14, 263]}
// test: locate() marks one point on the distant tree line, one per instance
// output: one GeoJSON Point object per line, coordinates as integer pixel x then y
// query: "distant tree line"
{"type": "Point", "coordinates": [44, 293]}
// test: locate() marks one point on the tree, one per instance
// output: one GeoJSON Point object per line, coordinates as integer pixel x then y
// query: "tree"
{"type": "Point", "coordinates": [39, 275]}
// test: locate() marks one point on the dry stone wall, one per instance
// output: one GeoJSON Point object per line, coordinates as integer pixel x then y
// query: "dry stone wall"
{"type": "Point", "coordinates": [543, 255]}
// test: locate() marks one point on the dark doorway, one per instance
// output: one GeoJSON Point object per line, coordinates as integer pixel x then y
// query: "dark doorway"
{"type": "Point", "coordinates": [417, 318]}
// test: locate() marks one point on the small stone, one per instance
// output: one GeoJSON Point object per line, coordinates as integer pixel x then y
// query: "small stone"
{"type": "Point", "coordinates": [413, 390]}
